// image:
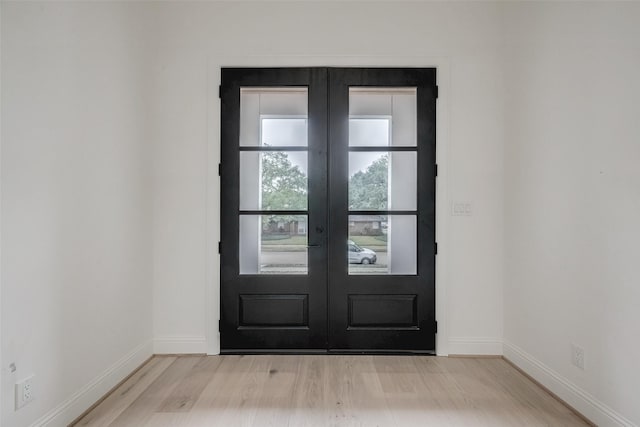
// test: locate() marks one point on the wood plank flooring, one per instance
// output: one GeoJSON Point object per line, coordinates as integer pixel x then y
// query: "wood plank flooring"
{"type": "Point", "coordinates": [336, 391]}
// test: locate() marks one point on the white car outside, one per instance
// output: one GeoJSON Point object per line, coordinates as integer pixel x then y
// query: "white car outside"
{"type": "Point", "coordinates": [360, 255]}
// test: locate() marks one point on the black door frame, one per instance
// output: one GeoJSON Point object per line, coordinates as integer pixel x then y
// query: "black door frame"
{"type": "Point", "coordinates": [346, 290]}
{"type": "Point", "coordinates": [309, 290]}
{"type": "Point", "coordinates": [421, 285]}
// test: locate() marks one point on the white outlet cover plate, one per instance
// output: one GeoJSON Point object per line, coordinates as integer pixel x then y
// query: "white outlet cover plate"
{"type": "Point", "coordinates": [577, 356]}
{"type": "Point", "coordinates": [24, 391]}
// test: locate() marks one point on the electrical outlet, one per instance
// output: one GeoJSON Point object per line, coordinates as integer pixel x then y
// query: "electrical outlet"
{"type": "Point", "coordinates": [24, 391]}
{"type": "Point", "coordinates": [577, 356]}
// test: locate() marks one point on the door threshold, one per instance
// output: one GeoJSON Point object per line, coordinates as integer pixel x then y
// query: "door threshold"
{"type": "Point", "coordinates": [244, 352]}
{"type": "Point", "coordinates": [383, 352]}
{"type": "Point", "coordinates": [337, 352]}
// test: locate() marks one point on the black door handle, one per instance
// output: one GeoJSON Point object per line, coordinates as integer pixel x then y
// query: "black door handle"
{"type": "Point", "coordinates": [319, 230]}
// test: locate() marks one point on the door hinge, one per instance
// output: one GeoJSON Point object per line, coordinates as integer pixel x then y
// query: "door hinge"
{"type": "Point", "coordinates": [220, 91]}
{"type": "Point", "coordinates": [219, 247]}
{"type": "Point", "coordinates": [435, 92]}
{"type": "Point", "coordinates": [436, 326]}
{"type": "Point", "coordinates": [436, 170]}
{"type": "Point", "coordinates": [219, 169]}
{"type": "Point", "coordinates": [218, 325]}
{"type": "Point", "coordinates": [435, 248]}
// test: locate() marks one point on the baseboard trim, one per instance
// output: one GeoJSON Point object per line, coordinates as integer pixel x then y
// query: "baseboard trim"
{"type": "Point", "coordinates": [475, 356]}
{"type": "Point", "coordinates": [109, 393]}
{"type": "Point", "coordinates": [475, 346]}
{"type": "Point", "coordinates": [180, 345]}
{"type": "Point", "coordinates": [579, 400]}
{"type": "Point", "coordinates": [101, 386]}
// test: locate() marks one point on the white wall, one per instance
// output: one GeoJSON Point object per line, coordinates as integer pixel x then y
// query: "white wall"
{"type": "Point", "coordinates": [1, 133]}
{"type": "Point", "coordinates": [76, 201]}
{"type": "Point", "coordinates": [572, 197]}
{"type": "Point", "coordinates": [110, 129]}
{"type": "Point", "coordinates": [192, 42]}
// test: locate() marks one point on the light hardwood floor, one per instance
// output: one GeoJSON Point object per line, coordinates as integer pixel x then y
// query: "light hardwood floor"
{"type": "Point", "coordinates": [194, 391]}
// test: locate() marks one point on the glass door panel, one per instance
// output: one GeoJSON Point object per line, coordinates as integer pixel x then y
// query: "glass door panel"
{"type": "Point", "coordinates": [273, 244]}
{"type": "Point", "coordinates": [273, 180]}
{"type": "Point", "coordinates": [273, 177]}
{"type": "Point", "coordinates": [382, 116]}
{"type": "Point", "coordinates": [382, 244]}
{"type": "Point", "coordinates": [383, 178]}
{"type": "Point", "coordinates": [274, 116]}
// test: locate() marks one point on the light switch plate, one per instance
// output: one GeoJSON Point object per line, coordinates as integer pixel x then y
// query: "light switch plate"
{"type": "Point", "coordinates": [461, 208]}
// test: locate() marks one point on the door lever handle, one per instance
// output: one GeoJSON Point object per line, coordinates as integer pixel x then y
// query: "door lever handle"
{"type": "Point", "coordinates": [314, 246]}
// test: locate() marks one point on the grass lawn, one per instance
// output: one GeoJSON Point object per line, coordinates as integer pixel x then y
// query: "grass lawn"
{"type": "Point", "coordinates": [293, 240]}
{"type": "Point", "coordinates": [299, 243]}
{"type": "Point", "coordinates": [291, 244]}
{"type": "Point", "coordinates": [369, 241]}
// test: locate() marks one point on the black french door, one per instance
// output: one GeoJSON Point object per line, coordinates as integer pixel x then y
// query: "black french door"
{"type": "Point", "coordinates": [328, 210]}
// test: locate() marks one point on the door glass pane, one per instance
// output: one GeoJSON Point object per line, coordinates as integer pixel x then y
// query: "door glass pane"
{"type": "Point", "coordinates": [282, 131]}
{"type": "Point", "coordinates": [273, 244]}
{"type": "Point", "coordinates": [383, 180]}
{"type": "Point", "coordinates": [273, 116]}
{"type": "Point", "coordinates": [369, 131]}
{"type": "Point", "coordinates": [273, 180]}
{"type": "Point", "coordinates": [382, 117]}
{"type": "Point", "coordinates": [382, 244]}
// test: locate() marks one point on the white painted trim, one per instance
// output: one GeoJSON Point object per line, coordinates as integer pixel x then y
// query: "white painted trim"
{"type": "Point", "coordinates": [212, 286]}
{"type": "Point", "coordinates": [75, 405]}
{"type": "Point", "coordinates": [180, 345]}
{"type": "Point", "coordinates": [582, 401]}
{"type": "Point", "coordinates": [480, 346]}
{"type": "Point", "coordinates": [215, 62]}
{"type": "Point", "coordinates": [1, 284]}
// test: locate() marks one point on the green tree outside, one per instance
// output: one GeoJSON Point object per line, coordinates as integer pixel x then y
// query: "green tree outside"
{"type": "Point", "coordinates": [369, 189]}
{"type": "Point", "coordinates": [284, 187]}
